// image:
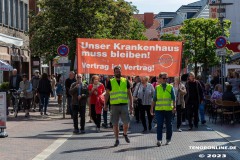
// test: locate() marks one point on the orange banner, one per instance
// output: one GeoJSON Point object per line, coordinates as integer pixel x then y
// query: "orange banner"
{"type": "Point", "coordinates": [100, 56]}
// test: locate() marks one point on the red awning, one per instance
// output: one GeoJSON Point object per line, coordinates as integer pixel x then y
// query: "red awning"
{"type": "Point", "coordinates": [234, 46]}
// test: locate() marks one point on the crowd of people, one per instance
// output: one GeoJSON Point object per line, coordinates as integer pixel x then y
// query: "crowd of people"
{"type": "Point", "coordinates": [160, 98]}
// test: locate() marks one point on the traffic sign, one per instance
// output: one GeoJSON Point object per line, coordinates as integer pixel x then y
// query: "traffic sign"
{"type": "Point", "coordinates": [221, 52]}
{"type": "Point", "coordinates": [221, 42]}
{"type": "Point", "coordinates": [63, 50]}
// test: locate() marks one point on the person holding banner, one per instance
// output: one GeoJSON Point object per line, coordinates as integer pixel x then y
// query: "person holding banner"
{"type": "Point", "coordinates": [119, 92]}
{"type": "Point", "coordinates": [165, 105]}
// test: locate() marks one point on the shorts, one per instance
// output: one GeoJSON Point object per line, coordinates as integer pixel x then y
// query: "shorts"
{"type": "Point", "coordinates": [118, 111]}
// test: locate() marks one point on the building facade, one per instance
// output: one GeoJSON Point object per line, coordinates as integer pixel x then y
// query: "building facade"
{"type": "Point", "coordinates": [14, 25]}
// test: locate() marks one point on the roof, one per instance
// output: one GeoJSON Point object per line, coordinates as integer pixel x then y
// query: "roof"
{"type": "Point", "coordinates": [165, 15]}
{"type": "Point", "coordinates": [178, 19]}
{"type": "Point", "coordinates": [151, 31]}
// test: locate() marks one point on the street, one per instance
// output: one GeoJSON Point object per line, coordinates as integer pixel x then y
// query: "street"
{"type": "Point", "coordinates": [50, 137]}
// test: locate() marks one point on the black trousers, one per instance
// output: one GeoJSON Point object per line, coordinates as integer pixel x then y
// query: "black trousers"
{"type": "Point", "coordinates": [180, 115]}
{"type": "Point", "coordinates": [81, 109]}
{"type": "Point", "coordinates": [96, 117]}
{"type": "Point", "coordinates": [26, 103]}
{"type": "Point", "coordinates": [136, 112]}
{"type": "Point", "coordinates": [192, 111]}
{"type": "Point", "coordinates": [143, 110]}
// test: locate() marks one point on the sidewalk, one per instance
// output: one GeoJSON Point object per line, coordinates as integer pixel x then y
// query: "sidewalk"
{"type": "Point", "coordinates": [27, 137]}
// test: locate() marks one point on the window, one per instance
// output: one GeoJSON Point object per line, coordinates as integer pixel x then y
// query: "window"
{"type": "Point", "coordinates": [1, 11]}
{"type": "Point", "coordinates": [21, 15]}
{"type": "Point", "coordinates": [6, 12]}
{"type": "Point", "coordinates": [11, 13]}
{"type": "Point", "coordinates": [26, 17]}
{"type": "Point", "coordinates": [16, 25]}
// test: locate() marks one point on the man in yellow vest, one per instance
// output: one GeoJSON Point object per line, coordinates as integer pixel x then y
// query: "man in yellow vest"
{"type": "Point", "coordinates": [164, 103]}
{"type": "Point", "coordinates": [118, 89]}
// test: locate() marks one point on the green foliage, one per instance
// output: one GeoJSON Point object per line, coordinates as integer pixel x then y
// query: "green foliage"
{"type": "Point", "coordinates": [199, 35]}
{"type": "Point", "coordinates": [171, 37]}
{"type": "Point", "coordinates": [61, 22]}
{"type": "Point", "coordinates": [4, 86]}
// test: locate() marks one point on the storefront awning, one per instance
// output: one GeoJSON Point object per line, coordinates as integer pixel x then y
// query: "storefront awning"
{"type": "Point", "coordinates": [4, 66]}
{"type": "Point", "coordinates": [12, 40]}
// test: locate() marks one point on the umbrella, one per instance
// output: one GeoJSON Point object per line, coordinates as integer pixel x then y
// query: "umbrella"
{"type": "Point", "coordinates": [4, 66]}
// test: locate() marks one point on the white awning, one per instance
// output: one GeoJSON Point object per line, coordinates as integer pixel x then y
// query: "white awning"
{"type": "Point", "coordinates": [4, 66]}
{"type": "Point", "coordinates": [12, 40]}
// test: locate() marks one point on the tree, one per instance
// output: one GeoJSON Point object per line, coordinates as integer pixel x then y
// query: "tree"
{"type": "Point", "coordinates": [171, 37]}
{"type": "Point", "coordinates": [61, 22]}
{"type": "Point", "coordinates": [199, 40]}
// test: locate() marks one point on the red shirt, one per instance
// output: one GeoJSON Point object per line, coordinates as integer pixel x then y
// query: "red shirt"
{"type": "Point", "coordinates": [100, 91]}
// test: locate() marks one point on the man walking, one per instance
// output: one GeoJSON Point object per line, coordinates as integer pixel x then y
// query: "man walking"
{"type": "Point", "coordinates": [68, 84]}
{"type": "Point", "coordinates": [164, 103]}
{"type": "Point", "coordinates": [79, 92]}
{"type": "Point", "coordinates": [118, 89]}
{"type": "Point", "coordinates": [35, 81]}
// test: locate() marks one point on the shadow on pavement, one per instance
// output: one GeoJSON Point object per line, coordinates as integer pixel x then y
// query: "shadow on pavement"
{"type": "Point", "coordinates": [135, 149]}
{"type": "Point", "coordinates": [88, 149]}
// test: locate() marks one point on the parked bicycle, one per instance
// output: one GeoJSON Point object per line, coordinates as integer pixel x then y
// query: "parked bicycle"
{"type": "Point", "coordinates": [16, 95]}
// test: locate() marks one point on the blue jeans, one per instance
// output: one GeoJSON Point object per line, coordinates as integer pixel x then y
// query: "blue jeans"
{"type": "Point", "coordinates": [160, 116]}
{"type": "Point", "coordinates": [44, 101]}
{"type": "Point", "coordinates": [201, 111]}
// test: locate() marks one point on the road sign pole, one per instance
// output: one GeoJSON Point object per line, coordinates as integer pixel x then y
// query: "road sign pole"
{"type": "Point", "coordinates": [63, 51]}
{"type": "Point", "coordinates": [64, 93]}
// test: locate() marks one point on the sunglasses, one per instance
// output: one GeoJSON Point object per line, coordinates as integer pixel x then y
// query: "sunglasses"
{"type": "Point", "coordinates": [79, 77]}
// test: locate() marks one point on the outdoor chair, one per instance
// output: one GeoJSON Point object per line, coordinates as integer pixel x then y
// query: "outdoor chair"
{"type": "Point", "coordinates": [229, 110]}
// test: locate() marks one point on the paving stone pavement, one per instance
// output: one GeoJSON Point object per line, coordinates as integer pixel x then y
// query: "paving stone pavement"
{"type": "Point", "coordinates": [99, 146]}
{"type": "Point", "coordinates": [29, 137]}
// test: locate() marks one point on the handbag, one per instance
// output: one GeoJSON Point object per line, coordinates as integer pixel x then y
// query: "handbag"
{"type": "Point", "coordinates": [138, 102]}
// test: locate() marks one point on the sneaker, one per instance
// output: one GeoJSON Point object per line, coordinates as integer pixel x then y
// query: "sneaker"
{"type": "Point", "coordinates": [159, 143]}
{"type": "Point", "coordinates": [155, 126]}
{"type": "Point", "coordinates": [204, 121]}
{"type": "Point", "coordinates": [168, 142]}
{"type": "Point", "coordinates": [144, 131]}
{"type": "Point", "coordinates": [104, 125]}
{"type": "Point", "coordinates": [184, 123]}
{"type": "Point", "coordinates": [75, 131]}
{"type": "Point", "coordinates": [190, 128]}
{"type": "Point", "coordinates": [98, 130]}
{"type": "Point", "coordinates": [179, 130]}
{"type": "Point", "coordinates": [116, 143]}
{"type": "Point", "coordinates": [45, 114]}
{"type": "Point", "coordinates": [150, 127]}
{"type": "Point", "coordinates": [34, 110]}
{"type": "Point", "coordinates": [126, 138]}
{"type": "Point", "coordinates": [90, 121]}
{"type": "Point", "coordinates": [82, 131]}
{"type": "Point", "coordinates": [232, 122]}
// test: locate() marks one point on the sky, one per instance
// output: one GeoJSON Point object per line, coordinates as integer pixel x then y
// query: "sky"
{"type": "Point", "coordinates": [157, 6]}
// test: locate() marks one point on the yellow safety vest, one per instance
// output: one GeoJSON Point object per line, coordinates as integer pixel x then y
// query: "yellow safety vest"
{"type": "Point", "coordinates": [118, 94]}
{"type": "Point", "coordinates": [164, 99]}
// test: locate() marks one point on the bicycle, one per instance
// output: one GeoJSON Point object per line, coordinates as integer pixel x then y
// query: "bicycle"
{"type": "Point", "coordinates": [17, 96]}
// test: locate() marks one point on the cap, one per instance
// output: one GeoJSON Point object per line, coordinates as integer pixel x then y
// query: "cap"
{"type": "Point", "coordinates": [36, 71]}
{"type": "Point", "coordinates": [24, 75]}
{"type": "Point", "coordinates": [226, 83]}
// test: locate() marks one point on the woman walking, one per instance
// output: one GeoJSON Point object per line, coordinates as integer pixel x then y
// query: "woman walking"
{"type": "Point", "coordinates": [180, 91]}
{"type": "Point", "coordinates": [26, 89]}
{"type": "Point", "coordinates": [143, 94]}
{"type": "Point", "coordinates": [96, 92]}
{"type": "Point", "coordinates": [44, 89]}
{"type": "Point", "coordinates": [59, 91]}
